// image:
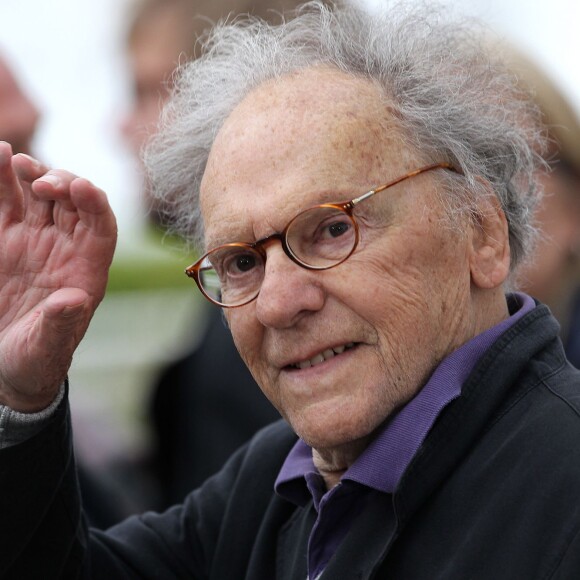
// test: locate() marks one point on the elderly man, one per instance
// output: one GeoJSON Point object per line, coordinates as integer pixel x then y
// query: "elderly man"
{"type": "Point", "coordinates": [364, 189]}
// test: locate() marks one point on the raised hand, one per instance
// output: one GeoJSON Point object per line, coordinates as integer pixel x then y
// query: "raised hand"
{"type": "Point", "coordinates": [57, 238]}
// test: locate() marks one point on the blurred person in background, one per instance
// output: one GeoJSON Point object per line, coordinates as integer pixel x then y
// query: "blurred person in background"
{"type": "Point", "coordinates": [106, 502]}
{"type": "Point", "coordinates": [554, 275]}
{"type": "Point", "coordinates": [19, 116]}
{"type": "Point", "coordinates": [162, 34]}
{"type": "Point", "coordinates": [197, 401]}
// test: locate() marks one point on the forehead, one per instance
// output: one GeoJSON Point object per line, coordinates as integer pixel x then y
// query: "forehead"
{"type": "Point", "coordinates": [157, 44]}
{"type": "Point", "coordinates": [317, 135]}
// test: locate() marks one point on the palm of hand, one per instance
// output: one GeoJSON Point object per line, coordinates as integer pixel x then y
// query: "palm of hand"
{"type": "Point", "coordinates": [58, 242]}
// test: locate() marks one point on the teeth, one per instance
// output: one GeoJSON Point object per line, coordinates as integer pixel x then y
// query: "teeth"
{"type": "Point", "coordinates": [325, 355]}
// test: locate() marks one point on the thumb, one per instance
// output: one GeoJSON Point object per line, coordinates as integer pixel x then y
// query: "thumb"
{"type": "Point", "coordinates": [64, 320]}
{"type": "Point", "coordinates": [64, 310]}
{"type": "Point", "coordinates": [38, 352]}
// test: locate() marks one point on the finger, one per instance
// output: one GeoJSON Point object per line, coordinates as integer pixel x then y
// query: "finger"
{"type": "Point", "coordinates": [54, 185]}
{"type": "Point", "coordinates": [93, 208]}
{"type": "Point", "coordinates": [27, 168]}
{"type": "Point", "coordinates": [52, 191]}
{"type": "Point", "coordinates": [65, 217]}
{"type": "Point", "coordinates": [11, 195]}
{"type": "Point", "coordinates": [76, 194]}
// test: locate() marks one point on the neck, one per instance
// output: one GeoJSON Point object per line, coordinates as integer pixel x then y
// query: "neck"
{"type": "Point", "coordinates": [333, 463]}
{"type": "Point", "coordinates": [489, 310]}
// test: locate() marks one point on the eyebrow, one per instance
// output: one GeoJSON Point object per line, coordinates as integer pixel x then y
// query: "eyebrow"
{"type": "Point", "coordinates": [325, 196]}
{"type": "Point", "coordinates": [220, 239]}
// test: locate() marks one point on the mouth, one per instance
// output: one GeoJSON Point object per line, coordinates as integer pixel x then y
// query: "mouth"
{"type": "Point", "coordinates": [321, 357]}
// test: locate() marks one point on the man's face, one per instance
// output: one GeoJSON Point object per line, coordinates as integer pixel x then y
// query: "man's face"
{"type": "Point", "coordinates": [384, 318]}
{"type": "Point", "coordinates": [18, 115]}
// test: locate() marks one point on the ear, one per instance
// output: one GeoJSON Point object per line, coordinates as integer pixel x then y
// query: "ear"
{"type": "Point", "coordinates": [490, 250]}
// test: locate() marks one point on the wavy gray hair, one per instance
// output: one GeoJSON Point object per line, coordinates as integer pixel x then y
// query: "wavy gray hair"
{"type": "Point", "coordinates": [455, 103]}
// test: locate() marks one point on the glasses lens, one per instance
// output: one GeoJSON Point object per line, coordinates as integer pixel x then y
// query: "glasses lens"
{"type": "Point", "coordinates": [322, 237]}
{"type": "Point", "coordinates": [232, 274]}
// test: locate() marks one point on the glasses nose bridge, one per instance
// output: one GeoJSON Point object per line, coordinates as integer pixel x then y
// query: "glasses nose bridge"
{"type": "Point", "coordinates": [261, 245]}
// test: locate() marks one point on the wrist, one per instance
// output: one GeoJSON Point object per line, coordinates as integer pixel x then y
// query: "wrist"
{"type": "Point", "coordinates": [30, 404]}
{"type": "Point", "coordinates": [16, 427]}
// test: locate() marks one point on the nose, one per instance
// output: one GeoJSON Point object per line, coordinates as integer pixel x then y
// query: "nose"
{"type": "Point", "coordinates": [289, 292]}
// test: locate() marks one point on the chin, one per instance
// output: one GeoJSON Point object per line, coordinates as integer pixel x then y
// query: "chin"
{"type": "Point", "coordinates": [340, 431]}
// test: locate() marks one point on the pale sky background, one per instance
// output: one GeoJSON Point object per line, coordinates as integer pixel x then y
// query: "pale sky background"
{"type": "Point", "coordinates": [69, 54]}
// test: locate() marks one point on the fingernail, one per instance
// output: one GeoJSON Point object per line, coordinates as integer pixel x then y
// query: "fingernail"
{"type": "Point", "coordinates": [34, 162]}
{"type": "Point", "coordinates": [50, 179]}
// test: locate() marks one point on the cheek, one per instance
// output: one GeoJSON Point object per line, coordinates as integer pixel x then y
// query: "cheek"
{"type": "Point", "coordinates": [397, 279]}
{"type": "Point", "coordinates": [413, 288]}
{"type": "Point", "coordinates": [248, 338]}
{"type": "Point", "coordinates": [242, 332]}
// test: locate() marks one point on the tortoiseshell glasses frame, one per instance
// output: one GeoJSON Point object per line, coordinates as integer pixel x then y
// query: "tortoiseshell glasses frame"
{"type": "Point", "coordinates": [318, 238]}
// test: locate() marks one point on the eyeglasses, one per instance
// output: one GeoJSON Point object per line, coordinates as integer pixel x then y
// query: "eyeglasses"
{"type": "Point", "coordinates": [318, 238]}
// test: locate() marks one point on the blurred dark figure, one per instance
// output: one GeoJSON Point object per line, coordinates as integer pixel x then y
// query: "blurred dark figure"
{"type": "Point", "coordinates": [204, 407]}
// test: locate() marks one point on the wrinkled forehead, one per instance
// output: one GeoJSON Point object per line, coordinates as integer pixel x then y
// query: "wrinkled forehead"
{"type": "Point", "coordinates": [311, 137]}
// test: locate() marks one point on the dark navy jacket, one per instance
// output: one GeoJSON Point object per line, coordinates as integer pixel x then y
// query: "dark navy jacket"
{"type": "Point", "coordinates": [493, 493]}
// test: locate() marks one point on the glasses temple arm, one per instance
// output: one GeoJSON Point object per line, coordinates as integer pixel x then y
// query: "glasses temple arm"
{"type": "Point", "coordinates": [372, 192]}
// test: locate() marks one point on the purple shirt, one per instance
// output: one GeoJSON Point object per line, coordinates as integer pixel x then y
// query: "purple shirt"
{"type": "Point", "coordinates": [383, 462]}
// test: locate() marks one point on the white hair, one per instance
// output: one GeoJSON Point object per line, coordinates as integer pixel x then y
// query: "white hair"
{"type": "Point", "coordinates": [454, 102]}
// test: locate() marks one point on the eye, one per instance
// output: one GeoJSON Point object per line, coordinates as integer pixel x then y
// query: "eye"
{"type": "Point", "coordinates": [242, 263]}
{"type": "Point", "coordinates": [231, 273]}
{"type": "Point", "coordinates": [330, 228]}
{"type": "Point", "coordinates": [238, 264]}
{"type": "Point", "coordinates": [338, 228]}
